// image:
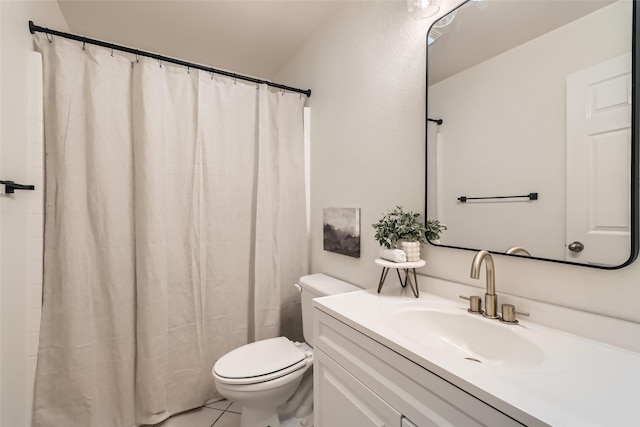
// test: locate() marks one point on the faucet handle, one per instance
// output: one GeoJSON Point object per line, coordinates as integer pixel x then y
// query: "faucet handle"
{"type": "Point", "coordinates": [509, 314]}
{"type": "Point", "coordinates": [475, 304]}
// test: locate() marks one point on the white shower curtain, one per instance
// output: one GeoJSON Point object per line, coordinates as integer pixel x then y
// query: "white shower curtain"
{"type": "Point", "coordinates": [175, 227]}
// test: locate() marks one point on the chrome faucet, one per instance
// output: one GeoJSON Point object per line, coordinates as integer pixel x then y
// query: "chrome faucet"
{"type": "Point", "coordinates": [490, 297]}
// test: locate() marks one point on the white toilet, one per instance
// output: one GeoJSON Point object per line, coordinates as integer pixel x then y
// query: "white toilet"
{"type": "Point", "coordinates": [266, 377]}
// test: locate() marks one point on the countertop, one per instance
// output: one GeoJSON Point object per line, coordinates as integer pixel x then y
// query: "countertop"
{"type": "Point", "coordinates": [567, 380]}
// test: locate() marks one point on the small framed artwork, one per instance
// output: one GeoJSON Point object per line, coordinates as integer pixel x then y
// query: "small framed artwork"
{"type": "Point", "coordinates": [342, 231]}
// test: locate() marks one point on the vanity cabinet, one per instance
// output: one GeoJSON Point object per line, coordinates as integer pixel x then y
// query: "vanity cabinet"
{"type": "Point", "coordinates": [360, 382]}
{"type": "Point", "coordinates": [345, 401]}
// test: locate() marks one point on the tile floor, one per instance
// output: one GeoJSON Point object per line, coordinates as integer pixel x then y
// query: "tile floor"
{"type": "Point", "coordinates": [217, 414]}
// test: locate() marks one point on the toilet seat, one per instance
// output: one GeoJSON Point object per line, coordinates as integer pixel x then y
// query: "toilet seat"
{"type": "Point", "coordinates": [262, 361]}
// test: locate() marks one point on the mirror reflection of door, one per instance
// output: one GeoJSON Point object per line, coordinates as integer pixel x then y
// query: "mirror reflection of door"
{"type": "Point", "coordinates": [598, 159]}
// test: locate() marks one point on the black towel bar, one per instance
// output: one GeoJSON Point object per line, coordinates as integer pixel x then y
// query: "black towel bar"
{"type": "Point", "coordinates": [530, 196]}
{"type": "Point", "coordinates": [10, 187]}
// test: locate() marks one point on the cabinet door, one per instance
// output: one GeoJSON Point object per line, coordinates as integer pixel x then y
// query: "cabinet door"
{"type": "Point", "coordinates": [340, 400]}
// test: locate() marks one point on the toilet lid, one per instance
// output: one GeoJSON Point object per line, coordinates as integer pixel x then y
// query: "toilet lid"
{"type": "Point", "coordinates": [272, 358]}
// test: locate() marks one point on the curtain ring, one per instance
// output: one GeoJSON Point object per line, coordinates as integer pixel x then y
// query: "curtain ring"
{"type": "Point", "coordinates": [282, 94]}
{"type": "Point", "coordinates": [49, 37]}
{"type": "Point", "coordinates": [112, 52]}
{"type": "Point", "coordinates": [83, 44]}
{"type": "Point", "coordinates": [160, 63]}
{"type": "Point", "coordinates": [212, 75]}
{"type": "Point", "coordinates": [137, 58]}
{"type": "Point", "coordinates": [188, 70]}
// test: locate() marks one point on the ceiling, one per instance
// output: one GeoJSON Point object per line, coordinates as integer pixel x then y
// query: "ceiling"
{"type": "Point", "coordinates": [483, 29]}
{"type": "Point", "coordinates": [251, 37]}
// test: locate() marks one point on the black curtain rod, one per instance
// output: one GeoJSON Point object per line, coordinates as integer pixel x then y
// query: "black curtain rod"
{"type": "Point", "coordinates": [35, 28]}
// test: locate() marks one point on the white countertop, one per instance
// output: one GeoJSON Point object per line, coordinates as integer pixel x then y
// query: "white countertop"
{"type": "Point", "coordinates": [567, 381]}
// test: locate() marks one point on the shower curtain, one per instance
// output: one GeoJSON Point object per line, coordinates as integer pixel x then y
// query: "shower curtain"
{"type": "Point", "coordinates": [175, 226]}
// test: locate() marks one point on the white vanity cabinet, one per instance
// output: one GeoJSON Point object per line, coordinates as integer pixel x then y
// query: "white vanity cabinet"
{"type": "Point", "coordinates": [345, 401]}
{"type": "Point", "coordinates": [360, 382]}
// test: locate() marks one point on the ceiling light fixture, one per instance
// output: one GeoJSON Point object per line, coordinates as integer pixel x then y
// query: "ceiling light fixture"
{"type": "Point", "coordinates": [445, 20]}
{"type": "Point", "coordinates": [421, 9]}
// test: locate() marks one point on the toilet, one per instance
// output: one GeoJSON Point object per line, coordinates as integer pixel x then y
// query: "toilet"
{"type": "Point", "coordinates": [271, 379]}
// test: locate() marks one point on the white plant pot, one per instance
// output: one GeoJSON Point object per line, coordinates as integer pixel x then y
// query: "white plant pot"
{"type": "Point", "coordinates": [411, 249]}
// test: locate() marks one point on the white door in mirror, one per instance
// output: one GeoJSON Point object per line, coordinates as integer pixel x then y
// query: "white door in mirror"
{"type": "Point", "coordinates": [598, 162]}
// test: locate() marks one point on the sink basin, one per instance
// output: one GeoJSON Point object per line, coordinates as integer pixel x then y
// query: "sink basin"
{"type": "Point", "coordinates": [469, 336]}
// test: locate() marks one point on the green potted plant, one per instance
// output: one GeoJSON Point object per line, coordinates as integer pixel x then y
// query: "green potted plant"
{"type": "Point", "coordinates": [434, 229]}
{"type": "Point", "coordinates": [404, 230]}
{"type": "Point", "coordinates": [401, 229]}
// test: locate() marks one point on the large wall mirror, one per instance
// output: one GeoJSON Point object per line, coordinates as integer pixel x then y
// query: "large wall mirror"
{"type": "Point", "coordinates": [537, 151]}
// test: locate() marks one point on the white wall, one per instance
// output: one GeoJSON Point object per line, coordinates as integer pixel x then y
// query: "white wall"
{"type": "Point", "coordinates": [367, 72]}
{"type": "Point", "coordinates": [22, 214]}
{"type": "Point", "coordinates": [1, 171]}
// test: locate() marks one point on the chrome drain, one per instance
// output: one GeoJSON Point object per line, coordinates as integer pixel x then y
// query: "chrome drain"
{"type": "Point", "coordinates": [473, 359]}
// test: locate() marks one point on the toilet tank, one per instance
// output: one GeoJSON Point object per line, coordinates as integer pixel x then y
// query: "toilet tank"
{"type": "Point", "coordinates": [318, 285]}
